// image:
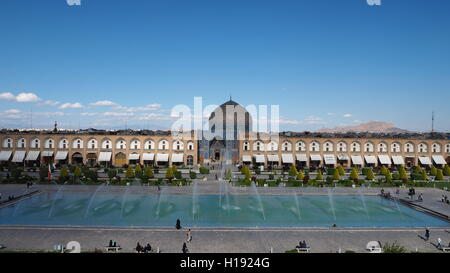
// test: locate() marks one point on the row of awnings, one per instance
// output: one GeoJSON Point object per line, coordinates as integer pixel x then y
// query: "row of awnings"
{"type": "Point", "coordinates": [20, 156]}
{"type": "Point", "coordinates": [330, 159]}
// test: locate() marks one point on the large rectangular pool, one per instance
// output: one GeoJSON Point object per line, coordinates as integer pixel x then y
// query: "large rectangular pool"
{"type": "Point", "coordinates": [154, 210]}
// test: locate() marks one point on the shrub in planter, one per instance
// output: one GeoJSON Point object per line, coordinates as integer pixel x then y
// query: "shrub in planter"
{"type": "Point", "coordinates": [204, 170]}
{"type": "Point", "coordinates": [192, 175]}
{"type": "Point", "coordinates": [271, 177]}
{"type": "Point", "coordinates": [178, 175]}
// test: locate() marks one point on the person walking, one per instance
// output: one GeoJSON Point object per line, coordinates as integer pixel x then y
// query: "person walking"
{"type": "Point", "coordinates": [188, 236]}
{"type": "Point", "coordinates": [427, 234]}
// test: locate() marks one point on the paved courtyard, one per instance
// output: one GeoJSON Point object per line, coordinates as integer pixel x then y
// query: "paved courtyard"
{"type": "Point", "coordinates": [216, 240]}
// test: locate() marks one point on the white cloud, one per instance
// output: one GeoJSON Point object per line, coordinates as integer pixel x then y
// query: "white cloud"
{"type": "Point", "coordinates": [312, 118]}
{"type": "Point", "coordinates": [12, 111]}
{"type": "Point", "coordinates": [7, 96]}
{"type": "Point", "coordinates": [51, 102]}
{"type": "Point", "coordinates": [22, 97]}
{"type": "Point", "coordinates": [347, 115]}
{"type": "Point", "coordinates": [150, 107]}
{"type": "Point", "coordinates": [27, 97]}
{"type": "Point", "coordinates": [104, 103]}
{"type": "Point", "coordinates": [68, 105]}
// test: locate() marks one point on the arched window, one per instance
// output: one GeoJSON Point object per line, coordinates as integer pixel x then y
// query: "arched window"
{"type": "Point", "coordinates": [356, 147]}
{"type": "Point", "coordinates": [190, 146]}
{"type": "Point", "coordinates": [368, 147]}
{"type": "Point", "coordinates": [409, 147]}
{"type": "Point", "coordinates": [35, 143]}
{"type": "Point", "coordinates": [272, 146]}
{"type": "Point", "coordinates": [395, 147]}
{"type": "Point", "coordinates": [149, 145]}
{"type": "Point", "coordinates": [328, 146]}
{"type": "Point", "coordinates": [258, 146]}
{"type": "Point", "coordinates": [107, 144]}
{"type": "Point", "coordinates": [423, 148]}
{"type": "Point", "coordinates": [300, 146]}
{"type": "Point", "coordinates": [48, 144]}
{"type": "Point", "coordinates": [342, 147]}
{"type": "Point", "coordinates": [121, 145]}
{"type": "Point", "coordinates": [382, 147]}
{"type": "Point", "coordinates": [447, 148]}
{"type": "Point", "coordinates": [77, 144]}
{"type": "Point", "coordinates": [21, 143]}
{"type": "Point", "coordinates": [7, 143]}
{"type": "Point", "coordinates": [92, 144]}
{"type": "Point", "coordinates": [63, 144]}
{"type": "Point", "coordinates": [135, 145]}
{"type": "Point", "coordinates": [246, 146]}
{"type": "Point", "coordinates": [287, 146]}
{"type": "Point", "coordinates": [436, 148]}
{"type": "Point", "coordinates": [178, 145]}
{"type": "Point", "coordinates": [314, 146]}
{"type": "Point", "coordinates": [163, 145]}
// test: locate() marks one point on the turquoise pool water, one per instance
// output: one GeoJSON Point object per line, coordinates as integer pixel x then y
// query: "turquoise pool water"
{"type": "Point", "coordinates": [153, 210]}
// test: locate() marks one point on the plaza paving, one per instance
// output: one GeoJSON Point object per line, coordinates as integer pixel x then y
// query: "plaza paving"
{"type": "Point", "coordinates": [216, 240]}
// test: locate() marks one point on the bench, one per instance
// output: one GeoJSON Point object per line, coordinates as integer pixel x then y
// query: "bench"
{"type": "Point", "coordinates": [113, 248]}
{"type": "Point", "coordinates": [445, 249]}
{"type": "Point", "coordinates": [306, 249]}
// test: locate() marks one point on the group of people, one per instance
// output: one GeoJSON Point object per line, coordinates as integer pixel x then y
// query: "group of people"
{"type": "Point", "coordinates": [145, 249]}
{"type": "Point", "coordinates": [188, 236]}
{"type": "Point", "coordinates": [302, 245]}
{"type": "Point", "coordinates": [445, 199]}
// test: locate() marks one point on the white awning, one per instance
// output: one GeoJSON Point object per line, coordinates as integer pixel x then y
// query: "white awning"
{"type": "Point", "coordinates": [302, 158]}
{"type": "Point", "coordinates": [32, 155]}
{"type": "Point", "coordinates": [18, 156]}
{"type": "Point", "coordinates": [61, 155]}
{"type": "Point", "coordinates": [47, 154]}
{"type": "Point", "coordinates": [148, 157]}
{"type": "Point", "coordinates": [287, 158]}
{"type": "Point", "coordinates": [177, 158]}
{"type": "Point", "coordinates": [439, 159]}
{"type": "Point", "coordinates": [134, 156]}
{"type": "Point", "coordinates": [5, 155]}
{"type": "Point", "coordinates": [273, 158]}
{"type": "Point", "coordinates": [104, 157]}
{"type": "Point", "coordinates": [425, 160]}
{"type": "Point", "coordinates": [370, 159]}
{"type": "Point", "coordinates": [357, 160]}
{"type": "Point", "coordinates": [329, 159]}
{"type": "Point", "coordinates": [398, 160]}
{"type": "Point", "coordinates": [343, 157]}
{"type": "Point", "coordinates": [259, 158]}
{"type": "Point", "coordinates": [246, 158]}
{"type": "Point", "coordinates": [385, 159]}
{"type": "Point", "coordinates": [316, 158]}
{"type": "Point", "coordinates": [162, 157]}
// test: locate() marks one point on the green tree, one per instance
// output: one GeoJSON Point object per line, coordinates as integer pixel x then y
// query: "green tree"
{"type": "Point", "coordinates": [424, 176]}
{"type": "Point", "coordinates": [138, 171]}
{"type": "Point", "coordinates": [336, 175]}
{"type": "Point", "coordinates": [129, 174]}
{"type": "Point", "coordinates": [447, 170]}
{"type": "Point", "coordinates": [418, 170]}
{"type": "Point", "coordinates": [354, 174]}
{"type": "Point", "coordinates": [169, 174]}
{"type": "Point", "coordinates": [76, 173]}
{"type": "Point", "coordinates": [300, 175]}
{"type": "Point", "coordinates": [439, 175]}
{"type": "Point", "coordinates": [402, 173]}
{"type": "Point", "coordinates": [319, 175]}
{"type": "Point", "coordinates": [148, 172]}
{"type": "Point", "coordinates": [370, 175]}
{"type": "Point", "coordinates": [433, 171]}
{"type": "Point", "coordinates": [111, 174]}
{"type": "Point", "coordinates": [293, 171]}
{"type": "Point", "coordinates": [388, 176]}
{"type": "Point", "coordinates": [384, 170]}
{"type": "Point", "coordinates": [64, 174]}
{"type": "Point", "coordinates": [341, 170]}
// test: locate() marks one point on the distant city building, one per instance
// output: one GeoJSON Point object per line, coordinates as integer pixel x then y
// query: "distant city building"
{"type": "Point", "coordinates": [231, 141]}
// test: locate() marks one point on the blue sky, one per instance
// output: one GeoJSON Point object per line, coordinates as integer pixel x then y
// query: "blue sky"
{"type": "Point", "coordinates": [325, 62]}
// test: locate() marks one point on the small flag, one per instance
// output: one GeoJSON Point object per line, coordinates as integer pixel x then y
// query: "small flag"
{"type": "Point", "coordinates": [49, 173]}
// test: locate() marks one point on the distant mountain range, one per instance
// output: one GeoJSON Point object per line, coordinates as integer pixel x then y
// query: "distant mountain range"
{"type": "Point", "coordinates": [372, 127]}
